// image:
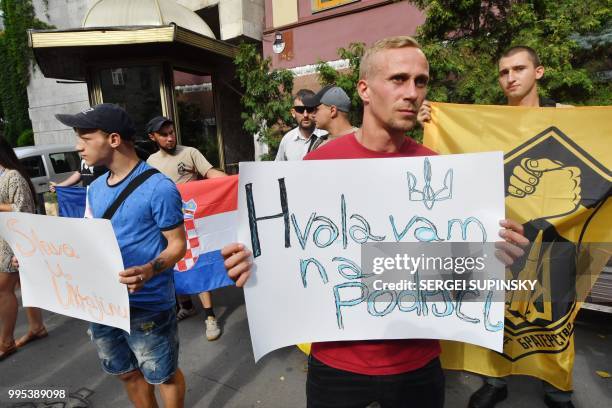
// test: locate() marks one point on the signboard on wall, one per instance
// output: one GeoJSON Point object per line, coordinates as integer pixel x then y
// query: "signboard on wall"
{"type": "Point", "coordinates": [321, 5]}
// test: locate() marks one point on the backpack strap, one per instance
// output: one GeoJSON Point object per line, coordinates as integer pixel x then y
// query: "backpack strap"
{"type": "Point", "coordinates": [314, 144]}
{"type": "Point", "coordinates": [134, 184]}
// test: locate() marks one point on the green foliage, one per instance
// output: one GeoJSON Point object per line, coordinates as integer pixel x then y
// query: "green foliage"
{"type": "Point", "coordinates": [464, 39]}
{"type": "Point", "coordinates": [16, 58]}
{"type": "Point", "coordinates": [267, 99]}
{"type": "Point", "coordinates": [26, 138]}
{"type": "Point", "coordinates": [347, 80]}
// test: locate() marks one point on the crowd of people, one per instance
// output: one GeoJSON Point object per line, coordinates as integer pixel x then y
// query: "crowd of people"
{"type": "Point", "coordinates": [144, 206]}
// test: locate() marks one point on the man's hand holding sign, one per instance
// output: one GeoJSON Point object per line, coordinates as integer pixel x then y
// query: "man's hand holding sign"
{"type": "Point", "coordinates": [314, 243]}
{"type": "Point", "coordinates": [238, 262]}
{"type": "Point", "coordinates": [392, 85]}
{"type": "Point", "coordinates": [136, 276]}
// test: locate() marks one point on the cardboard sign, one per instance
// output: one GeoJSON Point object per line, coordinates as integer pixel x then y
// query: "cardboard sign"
{"type": "Point", "coordinates": [69, 266]}
{"type": "Point", "coordinates": [305, 223]}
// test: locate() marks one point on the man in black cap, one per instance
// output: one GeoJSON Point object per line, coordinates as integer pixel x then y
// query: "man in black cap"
{"type": "Point", "coordinates": [183, 164]}
{"type": "Point", "coordinates": [332, 106]}
{"type": "Point", "coordinates": [145, 210]}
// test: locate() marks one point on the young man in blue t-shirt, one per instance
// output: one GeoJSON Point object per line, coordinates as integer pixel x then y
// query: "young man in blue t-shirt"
{"type": "Point", "coordinates": [149, 228]}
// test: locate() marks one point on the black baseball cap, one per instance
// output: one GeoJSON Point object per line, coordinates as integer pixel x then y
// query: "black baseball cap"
{"type": "Point", "coordinates": [108, 117]}
{"type": "Point", "coordinates": [157, 123]}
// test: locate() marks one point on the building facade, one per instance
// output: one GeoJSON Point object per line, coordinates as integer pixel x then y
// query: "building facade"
{"type": "Point", "coordinates": [310, 31]}
{"type": "Point", "coordinates": [152, 57]}
{"type": "Point", "coordinates": [300, 33]}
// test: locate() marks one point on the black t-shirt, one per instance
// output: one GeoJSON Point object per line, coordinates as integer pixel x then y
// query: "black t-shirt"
{"type": "Point", "coordinates": [89, 174]}
{"type": "Point", "coordinates": [547, 103]}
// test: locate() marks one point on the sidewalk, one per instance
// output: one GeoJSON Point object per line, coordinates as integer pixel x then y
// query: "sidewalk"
{"type": "Point", "coordinates": [223, 373]}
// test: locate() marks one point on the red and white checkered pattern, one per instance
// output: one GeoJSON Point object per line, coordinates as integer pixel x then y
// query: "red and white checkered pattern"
{"type": "Point", "coordinates": [193, 241]}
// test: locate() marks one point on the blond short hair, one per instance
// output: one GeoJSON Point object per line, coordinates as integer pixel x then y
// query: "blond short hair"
{"type": "Point", "coordinates": [389, 43]}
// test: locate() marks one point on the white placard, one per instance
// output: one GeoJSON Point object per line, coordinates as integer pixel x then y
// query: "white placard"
{"type": "Point", "coordinates": [330, 205]}
{"type": "Point", "coordinates": [69, 266]}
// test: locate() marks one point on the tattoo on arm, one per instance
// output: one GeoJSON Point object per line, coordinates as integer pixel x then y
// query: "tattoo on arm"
{"type": "Point", "coordinates": [158, 265]}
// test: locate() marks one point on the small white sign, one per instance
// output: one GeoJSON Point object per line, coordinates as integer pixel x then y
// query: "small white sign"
{"type": "Point", "coordinates": [69, 266]}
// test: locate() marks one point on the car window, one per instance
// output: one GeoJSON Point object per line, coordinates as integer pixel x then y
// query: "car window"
{"type": "Point", "coordinates": [65, 162]}
{"type": "Point", "coordinates": [34, 166]}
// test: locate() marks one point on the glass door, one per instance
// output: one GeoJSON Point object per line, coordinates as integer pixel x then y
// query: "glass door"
{"type": "Point", "coordinates": [196, 118]}
{"type": "Point", "coordinates": [136, 88]}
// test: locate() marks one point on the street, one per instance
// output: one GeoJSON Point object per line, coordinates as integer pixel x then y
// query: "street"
{"type": "Point", "coordinates": [223, 373]}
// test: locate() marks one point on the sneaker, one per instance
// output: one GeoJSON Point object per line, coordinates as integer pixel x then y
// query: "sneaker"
{"type": "Point", "coordinates": [185, 313]}
{"type": "Point", "coordinates": [551, 403]}
{"type": "Point", "coordinates": [488, 396]}
{"type": "Point", "coordinates": [212, 329]}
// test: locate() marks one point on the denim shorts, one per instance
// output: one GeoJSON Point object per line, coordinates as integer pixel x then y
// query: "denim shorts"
{"type": "Point", "coordinates": [152, 347]}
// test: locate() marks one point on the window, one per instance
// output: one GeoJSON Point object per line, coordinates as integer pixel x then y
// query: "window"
{"type": "Point", "coordinates": [138, 93]}
{"type": "Point", "coordinates": [34, 166]}
{"type": "Point", "coordinates": [193, 92]}
{"type": "Point", "coordinates": [65, 162]}
{"type": "Point", "coordinates": [321, 5]}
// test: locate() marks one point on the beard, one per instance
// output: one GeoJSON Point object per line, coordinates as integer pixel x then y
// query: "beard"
{"type": "Point", "coordinates": [168, 150]}
{"type": "Point", "coordinates": [310, 127]}
{"type": "Point", "coordinates": [401, 125]}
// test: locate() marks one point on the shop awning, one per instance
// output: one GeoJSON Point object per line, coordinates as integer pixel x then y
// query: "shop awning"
{"type": "Point", "coordinates": [67, 54]}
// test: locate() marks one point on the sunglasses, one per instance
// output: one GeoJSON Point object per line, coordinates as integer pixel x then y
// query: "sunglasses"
{"type": "Point", "coordinates": [301, 109]}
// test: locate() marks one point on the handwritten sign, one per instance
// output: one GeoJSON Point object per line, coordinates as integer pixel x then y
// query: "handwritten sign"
{"type": "Point", "coordinates": [305, 223]}
{"type": "Point", "coordinates": [69, 266]}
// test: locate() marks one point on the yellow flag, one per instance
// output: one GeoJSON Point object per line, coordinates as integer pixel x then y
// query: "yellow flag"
{"type": "Point", "coordinates": [557, 183]}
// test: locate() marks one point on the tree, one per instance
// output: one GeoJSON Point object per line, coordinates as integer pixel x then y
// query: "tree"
{"type": "Point", "coordinates": [347, 79]}
{"type": "Point", "coordinates": [16, 57]}
{"type": "Point", "coordinates": [267, 98]}
{"type": "Point", "coordinates": [464, 39]}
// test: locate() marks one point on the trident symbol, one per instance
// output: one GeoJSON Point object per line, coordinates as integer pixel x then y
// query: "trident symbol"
{"type": "Point", "coordinates": [428, 195]}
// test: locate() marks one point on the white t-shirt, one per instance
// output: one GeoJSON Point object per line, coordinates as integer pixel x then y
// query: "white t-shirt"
{"type": "Point", "coordinates": [293, 146]}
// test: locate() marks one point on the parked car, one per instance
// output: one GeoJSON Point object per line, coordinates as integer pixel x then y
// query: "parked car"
{"type": "Point", "coordinates": [47, 163]}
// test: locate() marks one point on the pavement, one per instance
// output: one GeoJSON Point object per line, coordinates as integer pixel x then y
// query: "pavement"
{"type": "Point", "coordinates": [223, 373]}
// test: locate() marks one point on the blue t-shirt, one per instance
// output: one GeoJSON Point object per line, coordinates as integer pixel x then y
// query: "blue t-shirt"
{"type": "Point", "coordinates": [155, 206]}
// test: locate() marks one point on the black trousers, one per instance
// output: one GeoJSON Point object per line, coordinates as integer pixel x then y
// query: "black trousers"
{"type": "Point", "coordinates": [328, 387]}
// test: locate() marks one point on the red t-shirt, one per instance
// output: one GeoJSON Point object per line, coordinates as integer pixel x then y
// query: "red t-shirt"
{"type": "Point", "coordinates": [374, 357]}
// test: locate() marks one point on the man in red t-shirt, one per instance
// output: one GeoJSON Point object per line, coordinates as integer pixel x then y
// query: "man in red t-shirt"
{"type": "Point", "coordinates": [396, 373]}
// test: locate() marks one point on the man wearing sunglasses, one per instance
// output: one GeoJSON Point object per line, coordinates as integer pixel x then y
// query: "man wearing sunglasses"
{"type": "Point", "coordinates": [299, 141]}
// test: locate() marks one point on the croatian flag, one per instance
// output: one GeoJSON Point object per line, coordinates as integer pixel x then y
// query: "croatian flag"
{"type": "Point", "coordinates": [210, 209]}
